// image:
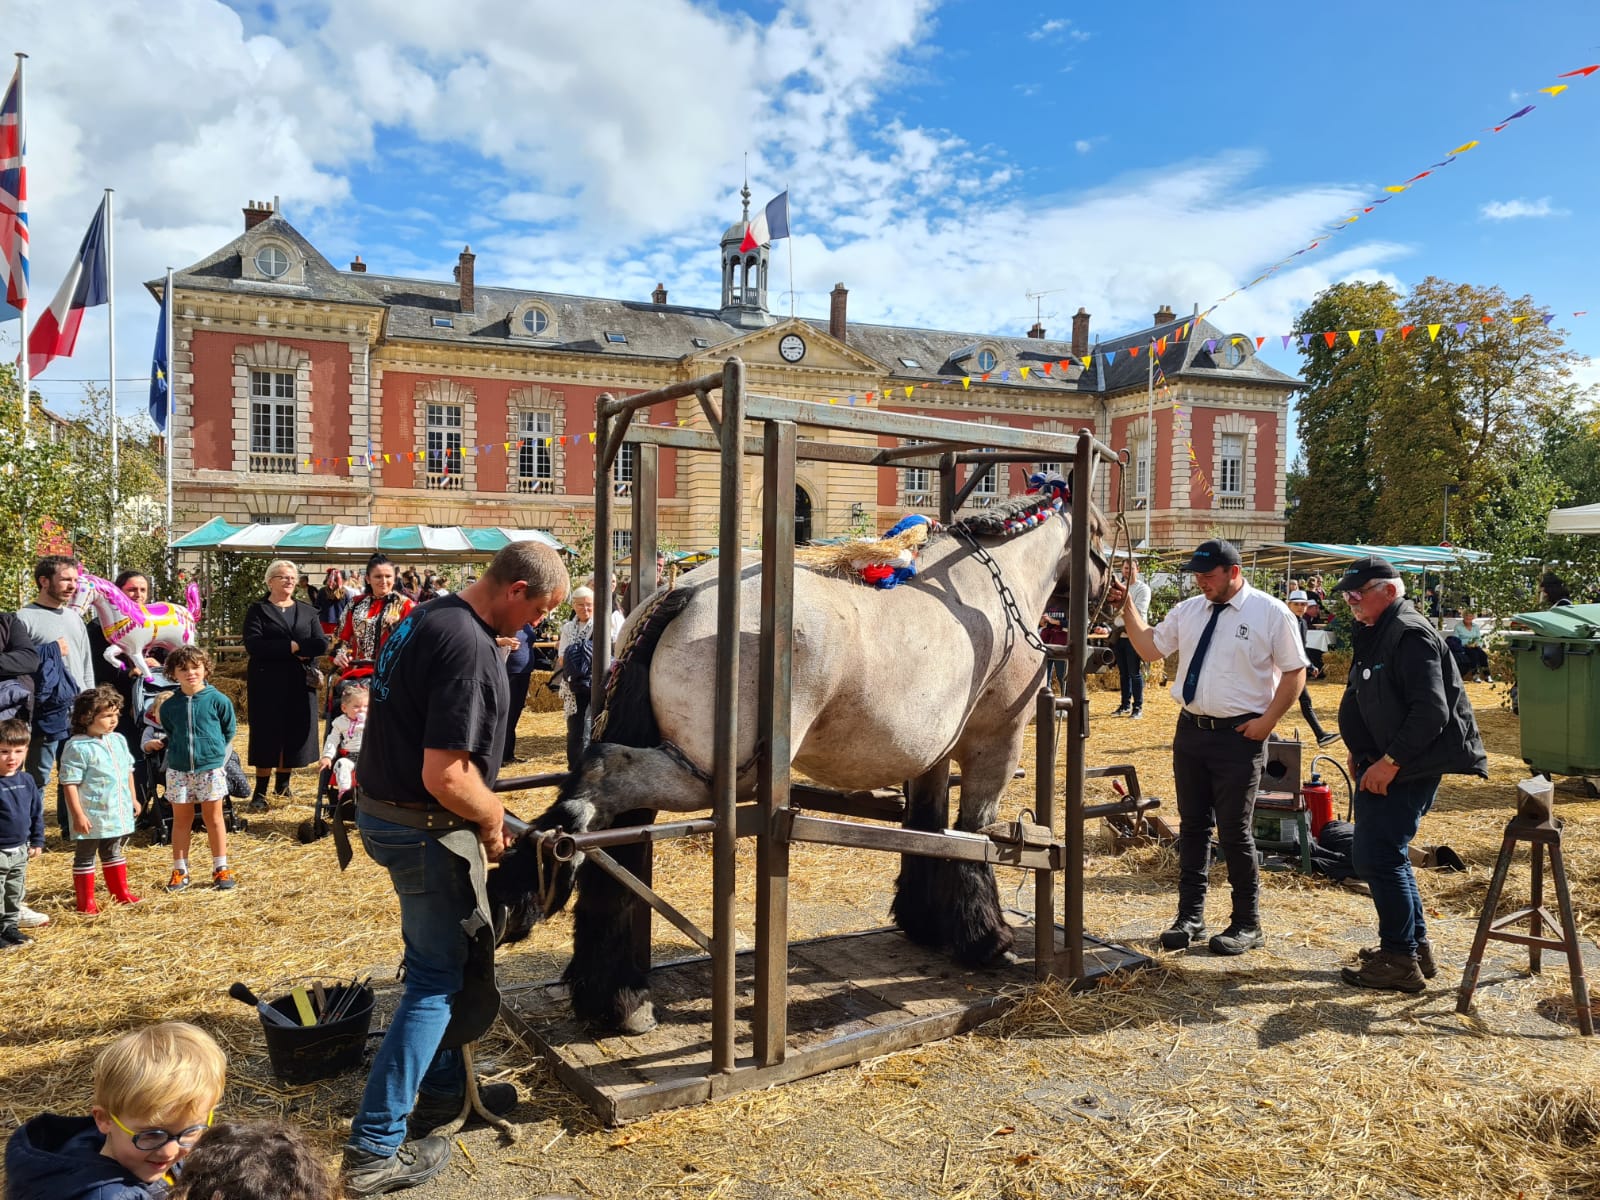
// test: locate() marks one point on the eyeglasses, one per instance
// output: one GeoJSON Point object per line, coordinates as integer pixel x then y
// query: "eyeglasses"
{"type": "Point", "coordinates": [155, 1139]}
{"type": "Point", "coordinates": [1355, 596]}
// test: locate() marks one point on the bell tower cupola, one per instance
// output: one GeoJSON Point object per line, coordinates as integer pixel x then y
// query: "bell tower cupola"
{"type": "Point", "coordinates": [744, 275]}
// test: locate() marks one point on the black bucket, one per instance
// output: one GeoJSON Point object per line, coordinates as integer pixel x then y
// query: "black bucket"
{"type": "Point", "coordinates": [305, 1053]}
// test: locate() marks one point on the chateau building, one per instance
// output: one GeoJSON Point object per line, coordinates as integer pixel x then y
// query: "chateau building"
{"type": "Point", "coordinates": [308, 393]}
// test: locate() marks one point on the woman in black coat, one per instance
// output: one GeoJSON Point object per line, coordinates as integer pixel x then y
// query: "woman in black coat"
{"type": "Point", "coordinates": [283, 637]}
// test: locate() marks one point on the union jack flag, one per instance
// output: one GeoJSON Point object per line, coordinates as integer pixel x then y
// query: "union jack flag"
{"type": "Point", "coordinates": [13, 195]}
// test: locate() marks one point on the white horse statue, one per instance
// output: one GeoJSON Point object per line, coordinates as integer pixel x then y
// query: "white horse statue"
{"type": "Point", "coordinates": [132, 628]}
{"type": "Point", "coordinates": [888, 686]}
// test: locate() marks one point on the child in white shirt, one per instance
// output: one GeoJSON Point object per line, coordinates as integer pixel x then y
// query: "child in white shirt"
{"type": "Point", "coordinates": [343, 746]}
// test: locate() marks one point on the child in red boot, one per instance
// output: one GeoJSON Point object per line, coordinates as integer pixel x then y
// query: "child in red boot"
{"type": "Point", "coordinates": [97, 777]}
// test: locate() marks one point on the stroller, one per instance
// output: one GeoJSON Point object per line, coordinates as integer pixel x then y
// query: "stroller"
{"type": "Point", "coordinates": [150, 776]}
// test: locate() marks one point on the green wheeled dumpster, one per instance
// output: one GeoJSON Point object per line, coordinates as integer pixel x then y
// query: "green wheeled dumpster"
{"type": "Point", "coordinates": [1558, 688]}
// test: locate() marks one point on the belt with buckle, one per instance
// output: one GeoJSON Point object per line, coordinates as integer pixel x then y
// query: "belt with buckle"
{"type": "Point", "coordinates": [412, 815]}
{"type": "Point", "coordinates": [1216, 723]}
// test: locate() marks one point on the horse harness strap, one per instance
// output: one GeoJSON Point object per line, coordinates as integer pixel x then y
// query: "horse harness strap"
{"type": "Point", "coordinates": [676, 754]}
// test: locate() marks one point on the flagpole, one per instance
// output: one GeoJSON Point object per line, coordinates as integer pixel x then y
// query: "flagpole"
{"type": "Point", "coordinates": [172, 397]}
{"type": "Point", "coordinates": [111, 354]}
{"type": "Point", "coordinates": [790, 240]}
{"type": "Point", "coordinates": [22, 310]}
{"type": "Point", "coordinates": [1149, 442]}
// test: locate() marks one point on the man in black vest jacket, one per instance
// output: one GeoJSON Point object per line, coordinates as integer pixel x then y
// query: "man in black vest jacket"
{"type": "Point", "coordinates": [1407, 722]}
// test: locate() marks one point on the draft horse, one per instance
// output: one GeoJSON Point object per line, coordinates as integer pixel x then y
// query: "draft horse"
{"type": "Point", "coordinates": [888, 686]}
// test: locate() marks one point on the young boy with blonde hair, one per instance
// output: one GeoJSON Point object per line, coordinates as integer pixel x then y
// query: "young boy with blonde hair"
{"type": "Point", "coordinates": [155, 1091]}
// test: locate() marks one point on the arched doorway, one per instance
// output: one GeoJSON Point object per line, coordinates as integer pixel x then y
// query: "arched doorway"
{"type": "Point", "coordinates": [802, 516]}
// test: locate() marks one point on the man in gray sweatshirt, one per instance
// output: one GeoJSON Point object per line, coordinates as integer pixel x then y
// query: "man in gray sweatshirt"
{"type": "Point", "coordinates": [51, 619]}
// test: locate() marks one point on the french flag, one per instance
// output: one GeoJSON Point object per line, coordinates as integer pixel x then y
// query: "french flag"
{"type": "Point", "coordinates": [86, 285]}
{"type": "Point", "coordinates": [771, 224]}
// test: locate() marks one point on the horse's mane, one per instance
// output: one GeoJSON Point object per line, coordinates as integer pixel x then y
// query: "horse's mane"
{"type": "Point", "coordinates": [1007, 520]}
{"type": "Point", "coordinates": [115, 596]}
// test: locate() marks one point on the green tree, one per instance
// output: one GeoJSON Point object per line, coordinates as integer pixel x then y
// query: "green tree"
{"type": "Point", "coordinates": [1346, 386]}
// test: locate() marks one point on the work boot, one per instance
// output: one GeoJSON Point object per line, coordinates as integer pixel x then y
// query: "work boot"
{"type": "Point", "coordinates": [412, 1163]}
{"type": "Point", "coordinates": [1237, 938]}
{"type": "Point", "coordinates": [1425, 962]}
{"type": "Point", "coordinates": [434, 1111]}
{"type": "Point", "coordinates": [1387, 972]}
{"type": "Point", "coordinates": [1185, 932]}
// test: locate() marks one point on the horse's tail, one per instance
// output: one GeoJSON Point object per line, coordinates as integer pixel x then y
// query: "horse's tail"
{"type": "Point", "coordinates": [624, 716]}
{"type": "Point", "coordinates": [191, 599]}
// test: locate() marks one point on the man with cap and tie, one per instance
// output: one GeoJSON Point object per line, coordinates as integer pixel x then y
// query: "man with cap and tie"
{"type": "Point", "coordinates": [1241, 666]}
{"type": "Point", "coordinates": [1406, 718]}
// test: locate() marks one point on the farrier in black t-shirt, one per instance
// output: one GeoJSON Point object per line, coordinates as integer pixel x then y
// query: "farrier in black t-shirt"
{"type": "Point", "coordinates": [439, 685]}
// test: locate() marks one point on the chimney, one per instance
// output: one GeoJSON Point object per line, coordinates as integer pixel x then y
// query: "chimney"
{"type": "Point", "coordinates": [1165, 315]}
{"type": "Point", "coordinates": [1037, 331]}
{"type": "Point", "coordinates": [836, 308]}
{"type": "Point", "coordinates": [256, 212]}
{"type": "Point", "coordinates": [1080, 333]}
{"type": "Point", "coordinates": [358, 266]}
{"type": "Point", "coordinates": [659, 296]}
{"type": "Point", "coordinates": [463, 274]}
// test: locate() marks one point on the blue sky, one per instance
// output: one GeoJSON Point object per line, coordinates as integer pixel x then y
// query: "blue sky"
{"type": "Point", "coordinates": [942, 159]}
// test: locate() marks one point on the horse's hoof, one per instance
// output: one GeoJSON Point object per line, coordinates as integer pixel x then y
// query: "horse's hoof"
{"type": "Point", "coordinates": [640, 1020]}
{"type": "Point", "coordinates": [996, 962]}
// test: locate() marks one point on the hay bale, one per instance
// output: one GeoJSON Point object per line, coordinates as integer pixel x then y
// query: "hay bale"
{"type": "Point", "coordinates": [540, 698]}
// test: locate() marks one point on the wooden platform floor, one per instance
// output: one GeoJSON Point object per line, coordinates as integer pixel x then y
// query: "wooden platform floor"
{"type": "Point", "coordinates": [851, 997]}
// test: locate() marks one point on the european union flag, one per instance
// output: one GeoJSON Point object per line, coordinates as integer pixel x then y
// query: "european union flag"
{"type": "Point", "coordinates": [160, 389]}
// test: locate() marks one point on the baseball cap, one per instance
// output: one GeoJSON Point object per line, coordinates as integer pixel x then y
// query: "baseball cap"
{"type": "Point", "coordinates": [1363, 571]}
{"type": "Point", "coordinates": [1208, 556]}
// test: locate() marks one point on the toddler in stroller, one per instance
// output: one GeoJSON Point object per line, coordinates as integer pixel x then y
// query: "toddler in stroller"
{"type": "Point", "coordinates": [338, 766]}
{"type": "Point", "coordinates": [150, 777]}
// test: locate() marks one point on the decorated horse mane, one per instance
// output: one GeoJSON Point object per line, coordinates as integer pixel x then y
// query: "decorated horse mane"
{"type": "Point", "coordinates": [1048, 494]}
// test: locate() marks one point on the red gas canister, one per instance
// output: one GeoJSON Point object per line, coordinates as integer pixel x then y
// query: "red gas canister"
{"type": "Point", "coordinates": [1319, 802]}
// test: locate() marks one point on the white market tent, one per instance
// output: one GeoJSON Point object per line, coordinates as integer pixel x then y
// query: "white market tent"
{"type": "Point", "coordinates": [430, 543]}
{"type": "Point", "coordinates": [1583, 519]}
{"type": "Point", "coordinates": [1326, 556]}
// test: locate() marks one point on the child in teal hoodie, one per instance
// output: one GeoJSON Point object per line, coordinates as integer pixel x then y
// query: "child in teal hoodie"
{"type": "Point", "coordinates": [198, 723]}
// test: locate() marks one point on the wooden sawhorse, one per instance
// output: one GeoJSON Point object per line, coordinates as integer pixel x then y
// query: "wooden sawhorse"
{"type": "Point", "coordinates": [1545, 838]}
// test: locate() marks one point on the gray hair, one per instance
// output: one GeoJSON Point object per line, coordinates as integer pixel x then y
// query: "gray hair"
{"type": "Point", "coordinates": [1397, 585]}
{"type": "Point", "coordinates": [583, 593]}
{"type": "Point", "coordinates": [275, 564]}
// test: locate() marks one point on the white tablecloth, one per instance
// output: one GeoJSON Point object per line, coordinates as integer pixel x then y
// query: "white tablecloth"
{"type": "Point", "coordinates": [1318, 639]}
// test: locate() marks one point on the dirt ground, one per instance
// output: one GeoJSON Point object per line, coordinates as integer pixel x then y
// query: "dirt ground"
{"type": "Point", "coordinates": [1259, 1076]}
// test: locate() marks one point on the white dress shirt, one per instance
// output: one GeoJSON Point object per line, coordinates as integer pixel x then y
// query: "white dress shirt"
{"type": "Point", "coordinates": [1256, 640]}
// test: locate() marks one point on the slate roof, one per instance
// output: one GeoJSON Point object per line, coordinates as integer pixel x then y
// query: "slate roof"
{"type": "Point", "coordinates": [579, 324]}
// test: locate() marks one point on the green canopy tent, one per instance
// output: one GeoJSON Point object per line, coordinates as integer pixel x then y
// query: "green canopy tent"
{"type": "Point", "coordinates": [422, 543]}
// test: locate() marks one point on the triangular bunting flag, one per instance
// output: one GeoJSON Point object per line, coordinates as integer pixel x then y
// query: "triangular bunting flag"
{"type": "Point", "coordinates": [1355, 336]}
{"type": "Point", "coordinates": [1378, 334]}
{"type": "Point", "coordinates": [1405, 331]}
{"type": "Point", "coordinates": [985, 376]}
{"type": "Point", "coordinates": [1519, 320]}
{"type": "Point", "coordinates": [1005, 376]}
{"type": "Point", "coordinates": [1161, 346]}
{"type": "Point", "coordinates": [1023, 371]}
{"type": "Point", "coordinates": [1554, 89]}
{"type": "Point", "coordinates": [1433, 333]}
{"type": "Point", "coordinates": [1485, 320]}
{"type": "Point", "coordinates": [1548, 317]}
{"type": "Point", "coordinates": [909, 390]}
{"type": "Point", "coordinates": [1065, 363]}
{"type": "Point", "coordinates": [1088, 362]}
{"type": "Point", "coordinates": [1286, 338]}
{"type": "Point", "coordinates": [1045, 367]}
{"type": "Point", "coordinates": [1461, 328]}
{"type": "Point", "coordinates": [1584, 71]}
{"type": "Point", "coordinates": [1133, 351]}
{"type": "Point", "coordinates": [1259, 340]}
{"type": "Point", "coordinates": [966, 382]}
{"type": "Point", "coordinates": [1211, 345]}
{"type": "Point", "coordinates": [591, 438]}
{"type": "Point", "coordinates": [1305, 341]}
{"type": "Point", "coordinates": [1330, 338]}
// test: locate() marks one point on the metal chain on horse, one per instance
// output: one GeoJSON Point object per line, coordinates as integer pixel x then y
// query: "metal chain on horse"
{"type": "Point", "coordinates": [1013, 613]}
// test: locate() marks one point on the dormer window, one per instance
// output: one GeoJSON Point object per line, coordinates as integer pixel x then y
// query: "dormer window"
{"type": "Point", "coordinates": [912, 363]}
{"type": "Point", "coordinates": [987, 361]}
{"type": "Point", "coordinates": [272, 262]}
{"type": "Point", "coordinates": [531, 319]}
{"type": "Point", "coordinates": [444, 323]}
{"type": "Point", "coordinates": [615, 338]}
{"type": "Point", "coordinates": [699, 343]}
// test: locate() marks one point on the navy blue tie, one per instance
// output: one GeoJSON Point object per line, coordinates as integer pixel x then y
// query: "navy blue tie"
{"type": "Point", "coordinates": [1191, 681]}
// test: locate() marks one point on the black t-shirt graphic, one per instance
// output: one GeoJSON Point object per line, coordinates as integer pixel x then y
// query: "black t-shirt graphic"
{"type": "Point", "coordinates": [439, 685]}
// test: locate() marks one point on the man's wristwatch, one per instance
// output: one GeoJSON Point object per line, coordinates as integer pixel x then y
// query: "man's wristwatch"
{"type": "Point", "coordinates": [1389, 758]}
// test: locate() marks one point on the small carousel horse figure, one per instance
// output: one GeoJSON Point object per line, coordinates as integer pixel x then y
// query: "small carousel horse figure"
{"type": "Point", "coordinates": [887, 686]}
{"type": "Point", "coordinates": [132, 628]}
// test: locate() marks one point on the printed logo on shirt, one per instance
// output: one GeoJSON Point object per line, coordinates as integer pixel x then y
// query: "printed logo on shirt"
{"type": "Point", "coordinates": [390, 653]}
{"type": "Point", "coordinates": [1243, 632]}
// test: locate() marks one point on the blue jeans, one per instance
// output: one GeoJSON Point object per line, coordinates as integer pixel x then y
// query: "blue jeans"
{"type": "Point", "coordinates": [1385, 826]}
{"type": "Point", "coordinates": [1131, 668]}
{"type": "Point", "coordinates": [43, 754]}
{"type": "Point", "coordinates": [436, 896]}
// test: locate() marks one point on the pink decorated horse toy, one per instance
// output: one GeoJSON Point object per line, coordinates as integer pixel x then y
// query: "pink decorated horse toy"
{"type": "Point", "coordinates": [132, 628]}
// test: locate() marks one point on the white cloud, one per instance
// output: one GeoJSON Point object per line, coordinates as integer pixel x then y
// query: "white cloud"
{"type": "Point", "coordinates": [1083, 145]}
{"type": "Point", "coordinates": [594, 165]}
{"type": "Point", "coordinates": [1510, 210]}
{"type": "Point", "coordinates": [1056, 28]}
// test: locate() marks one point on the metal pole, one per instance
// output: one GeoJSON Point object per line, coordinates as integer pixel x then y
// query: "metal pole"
{"type": "Point", "coordinates": [1078, 714]}
{"type": "Point", "coordinates": [646, 492]}
{"type": "Point", "coordinates": [22, 309]}
{"type": "Point", "coordinates": [111, 342]}
{"type": "Point", "coordinates": [602, 547]}
{"type": "Point", "coordinates": [725, 782]}
{"type": "Point", "coordinates": [770, 1023]}
{"type": "Point", "coordinates": [1044, 812]}
{"type": "Point", "coordinates": [1445, 536]}
{"type": "Point", "coordinates": [172, 413]}
{"type": "Point", "coordinates": [1149, 441]}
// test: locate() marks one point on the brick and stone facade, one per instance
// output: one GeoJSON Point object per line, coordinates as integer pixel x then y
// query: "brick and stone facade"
{"type": "Point", "coordinates": [361, 357]}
